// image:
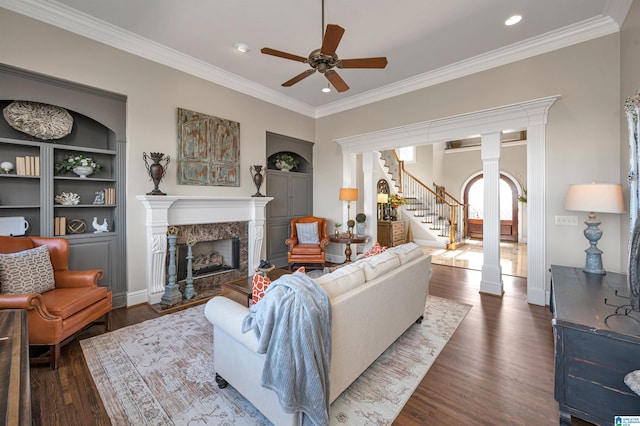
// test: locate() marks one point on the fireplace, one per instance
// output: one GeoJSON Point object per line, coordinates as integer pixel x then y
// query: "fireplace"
{"type": "Point", "coordinates": [207, 218]}
{"type": "Point", "coordinates": [208, 258]}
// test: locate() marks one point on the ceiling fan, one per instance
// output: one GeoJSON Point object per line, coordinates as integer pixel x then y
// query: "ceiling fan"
{"type": "Point", "coordinates": [324, 59]}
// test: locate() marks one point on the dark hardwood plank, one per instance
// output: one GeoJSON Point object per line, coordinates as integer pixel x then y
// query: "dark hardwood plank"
{"type": "Point", "coordinates": [496, 369]}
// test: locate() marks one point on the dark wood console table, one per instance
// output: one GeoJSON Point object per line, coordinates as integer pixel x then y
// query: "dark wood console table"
{"type": "Point", "coordinates": [348, 240]}
{"type": "Point", "coordinates": [15, 383]}
{"type": "Point", "coordinates": [594, 347]}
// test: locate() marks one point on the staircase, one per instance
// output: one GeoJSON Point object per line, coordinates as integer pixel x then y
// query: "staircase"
{"type": "Point", "coordinates": [438, 212]}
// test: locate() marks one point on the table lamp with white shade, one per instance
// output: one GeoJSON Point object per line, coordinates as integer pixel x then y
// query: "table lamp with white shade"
{"type": "Point", "coordinates": [592, 198]}
{"type": "Point", "coordinates": [382, 200]}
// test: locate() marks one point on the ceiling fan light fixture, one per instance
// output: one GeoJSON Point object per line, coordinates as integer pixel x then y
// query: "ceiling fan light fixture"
{"type": "Point", "coordinates": [326, 89]}
{"type": "Point", "coordinates": [512, 20]}
{"type": "Point", "coordinates": [242, 47]}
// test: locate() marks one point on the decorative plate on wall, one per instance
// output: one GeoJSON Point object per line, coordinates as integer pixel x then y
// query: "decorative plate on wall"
{"type": "Point", "coordinates": [43, 121]}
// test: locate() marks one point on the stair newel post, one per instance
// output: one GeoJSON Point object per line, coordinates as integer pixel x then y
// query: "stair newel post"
{"type": "Point", "coordinates": [189, 290]}
{"type": "Point", "coordinates": [172, 293]}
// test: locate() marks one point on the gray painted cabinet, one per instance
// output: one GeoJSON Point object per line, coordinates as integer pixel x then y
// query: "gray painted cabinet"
{"type": "Point", "coordinates": [98, 132]}
{"type": "Point", "coordinates": [596, 345]}
{"type": "Point", "coordinates": [292, 192]}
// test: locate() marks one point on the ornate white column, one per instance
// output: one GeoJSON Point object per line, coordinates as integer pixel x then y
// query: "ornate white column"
{"type": "Point", "coordinates": [491, 270]}
{"type": "Point", "coordinates": [157, 223]}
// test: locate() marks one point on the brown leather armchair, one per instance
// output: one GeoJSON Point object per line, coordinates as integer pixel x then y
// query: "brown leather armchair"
{"type": "Point", "coordinates": [55, 316]}
{"type": "Point", "coordinates": [307, 253]}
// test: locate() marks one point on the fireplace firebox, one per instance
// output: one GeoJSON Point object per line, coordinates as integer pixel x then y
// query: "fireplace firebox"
{"type": "Point", "coordinates": [209, 257]}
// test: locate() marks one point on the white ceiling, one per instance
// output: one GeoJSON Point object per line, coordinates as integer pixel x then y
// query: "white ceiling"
{"type": "Point", "coordinates": [426, 42]}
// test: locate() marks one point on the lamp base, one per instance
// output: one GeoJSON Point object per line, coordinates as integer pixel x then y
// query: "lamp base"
{"type": "Point", "coordinates": [593, 262]}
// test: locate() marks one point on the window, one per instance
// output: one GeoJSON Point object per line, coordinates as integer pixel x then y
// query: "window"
{"type": "Point", "coordinates": [407, 154]}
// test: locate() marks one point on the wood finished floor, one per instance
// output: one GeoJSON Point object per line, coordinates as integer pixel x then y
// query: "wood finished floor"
{"type": "Point", "coordinates": [497, 369]}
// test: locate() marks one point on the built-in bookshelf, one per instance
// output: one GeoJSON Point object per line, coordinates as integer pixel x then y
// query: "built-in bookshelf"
{"type": "Point", "coordinates": [31, 188]}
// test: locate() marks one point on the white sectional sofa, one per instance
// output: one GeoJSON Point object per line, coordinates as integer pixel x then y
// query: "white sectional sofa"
{"type": "Point", "coordinates": [373, 301]}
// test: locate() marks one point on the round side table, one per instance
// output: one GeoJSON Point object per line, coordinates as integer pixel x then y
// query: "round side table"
{"type": "Point", "coordinates": [348, 240]}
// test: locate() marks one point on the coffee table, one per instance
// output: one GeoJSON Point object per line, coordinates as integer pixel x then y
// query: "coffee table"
{"type": "Point", "coordinates": [240, 290]}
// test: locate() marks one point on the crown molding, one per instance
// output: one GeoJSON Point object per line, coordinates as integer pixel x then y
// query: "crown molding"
{"type": "Point", "coordinates": [72, 20]}
{"type": "Point", "coordinates": [580, 32]}
{"type": "Point", "coordinates": [617, 10]}
{"type": "Point", "coordinates": [59, 15]}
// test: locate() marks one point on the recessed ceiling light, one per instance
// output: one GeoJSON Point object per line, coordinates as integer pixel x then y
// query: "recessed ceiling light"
{"type": "Point", "coordinates": [242, 47]}
{"type": "Point", "coordinates": [513, 20]}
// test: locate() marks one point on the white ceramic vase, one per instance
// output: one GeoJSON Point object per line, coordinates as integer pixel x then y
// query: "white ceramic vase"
{"type": "Point", "coordinates": [83, 171]}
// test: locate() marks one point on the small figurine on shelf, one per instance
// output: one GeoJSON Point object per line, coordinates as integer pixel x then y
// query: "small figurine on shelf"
{"type": "Point", "coordinates": [99, 200]}
{"type": "Point", "coordinates": [100, 227]}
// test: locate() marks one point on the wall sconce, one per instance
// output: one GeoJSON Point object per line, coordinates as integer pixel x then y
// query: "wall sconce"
{"type": "Point", "coordinates": [601, 198]}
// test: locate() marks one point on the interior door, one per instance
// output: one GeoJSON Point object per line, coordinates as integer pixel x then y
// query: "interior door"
{"type": "Point", "coordinates": [474, 198]}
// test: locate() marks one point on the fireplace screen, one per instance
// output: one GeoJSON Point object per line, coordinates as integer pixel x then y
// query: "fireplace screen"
{"type": "Point", "coordinates": [209, 257]}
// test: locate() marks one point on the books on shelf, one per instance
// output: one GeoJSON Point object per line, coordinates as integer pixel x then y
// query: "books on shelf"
{"type": "Point", "coordinates": [28, 166]}
{"type": "Point", "coordinates": [109, 195]}
{"type": "Point", "coordinates": [59, 225]}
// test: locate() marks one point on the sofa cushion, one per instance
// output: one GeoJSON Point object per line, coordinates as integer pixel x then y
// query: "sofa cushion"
{"type": "Point", "coordinates": [407, 252]}
{"type": "Point", "coordinates": [26, 272]}
{"type": "Point", "coordinates": [380, 264]}
{"type": "Point", "coordinates": [65, 302]}
{"type": "Point", "coordinates": [307, 233]}
{"type": "Point", "coordinates": [341, 280]}
{"type": "Point", "coordinates": [375, 249]}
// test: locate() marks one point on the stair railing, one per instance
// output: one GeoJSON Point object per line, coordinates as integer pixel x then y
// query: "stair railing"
{"type": "Point", "coordinates": [439, 208]}
{"type": "Point", "coordinates": [444, 212]}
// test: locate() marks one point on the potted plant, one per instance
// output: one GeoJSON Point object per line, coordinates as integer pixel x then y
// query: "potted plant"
{"type": "Point", "coordinates": [79, 164]}
{"type": "Point", "coordinates": [360, 219]}
{"type": "Point", "coordinates": [396, 201]}
{"type": "Point", "coordinates": [285, 162]}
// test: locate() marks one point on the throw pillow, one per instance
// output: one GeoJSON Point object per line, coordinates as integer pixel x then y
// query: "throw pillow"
{"type": "Point", "coordinates": [307, 233]}
{"type": "Point", "coordinates": [407, 252]}
{"type": "Point", "coordinates": [26, 272]}
{"type": "Point", "coordinates": [258, 286]}
{"type": "Point", "coordinates": [375, 249]}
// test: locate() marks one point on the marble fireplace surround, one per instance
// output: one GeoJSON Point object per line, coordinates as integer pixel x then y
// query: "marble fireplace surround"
{"type": "Point", "coordinates": [163, 211]}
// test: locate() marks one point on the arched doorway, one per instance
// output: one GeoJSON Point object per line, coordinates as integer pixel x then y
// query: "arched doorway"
{"type": "Point", "coordinates": [474, 199]}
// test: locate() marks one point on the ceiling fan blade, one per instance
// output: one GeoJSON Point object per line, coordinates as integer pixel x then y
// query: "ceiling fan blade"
{"type": "Point", "coordinates": [336, 81]}
{"type": "Point", "coordinates": [281, 54]}
{"type": "Point", "coordinates": [363, 63]}
{"type": "Point", "coordinates": [331, 39]}
{"type": "Point", "coordinates": [298, 77]}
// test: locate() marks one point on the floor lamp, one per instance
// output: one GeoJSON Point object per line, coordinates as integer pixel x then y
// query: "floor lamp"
{"type": "Point", "coordinates": [592, 198]}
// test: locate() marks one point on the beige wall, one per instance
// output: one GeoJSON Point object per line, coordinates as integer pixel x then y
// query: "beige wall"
{"type": "Point", "coordinates": [583, 132]}
{"type": "Point", "coordinates": [581, 136]}
{"type": "Point", "coordinates": [153, 93]}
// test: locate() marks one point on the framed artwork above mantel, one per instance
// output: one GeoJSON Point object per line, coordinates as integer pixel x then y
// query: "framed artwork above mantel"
{"type": "Point", "coordinates": [208, 150]}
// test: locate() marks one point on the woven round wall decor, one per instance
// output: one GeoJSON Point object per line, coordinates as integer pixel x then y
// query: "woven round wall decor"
{"type": "Point", "coordinates": [76, 226]}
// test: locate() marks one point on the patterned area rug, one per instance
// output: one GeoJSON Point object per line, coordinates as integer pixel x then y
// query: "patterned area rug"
{"type": "Point", "coordinates": [160, 372]}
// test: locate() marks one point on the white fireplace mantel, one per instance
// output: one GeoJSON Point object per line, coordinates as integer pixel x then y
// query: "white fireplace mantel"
{"type": "Point", "coordinates": [169, 210]}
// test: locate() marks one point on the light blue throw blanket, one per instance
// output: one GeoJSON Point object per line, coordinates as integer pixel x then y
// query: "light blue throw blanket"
{"type": "Point", "coordinates": [293, 325]}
